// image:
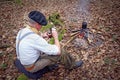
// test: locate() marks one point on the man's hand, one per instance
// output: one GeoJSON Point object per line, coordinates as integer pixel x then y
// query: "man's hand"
{"type": "Point", "coordinates": [54, 33]}
{"type": "Point", "coordinates": [45, 35]}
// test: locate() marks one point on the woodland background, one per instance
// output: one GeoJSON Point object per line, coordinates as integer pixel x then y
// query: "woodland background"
{"type": "Point", "coordinates": [100, 63]}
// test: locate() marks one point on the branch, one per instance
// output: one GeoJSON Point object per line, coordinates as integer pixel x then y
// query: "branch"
{"type": "Point", "coordinates": [70, 40]}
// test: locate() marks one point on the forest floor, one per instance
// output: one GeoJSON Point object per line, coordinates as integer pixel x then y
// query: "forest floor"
{"type": "Point", "coordinates": [100, 63]}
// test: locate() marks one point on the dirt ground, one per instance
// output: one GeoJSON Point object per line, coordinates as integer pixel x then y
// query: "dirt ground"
{"type": "Point", "coordinates": [100, 63]}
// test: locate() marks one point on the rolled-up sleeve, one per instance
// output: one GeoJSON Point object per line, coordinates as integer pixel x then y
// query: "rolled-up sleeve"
{"type": "Point", "coordinates": [42, 45]}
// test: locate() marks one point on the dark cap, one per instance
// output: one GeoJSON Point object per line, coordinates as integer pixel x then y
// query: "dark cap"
{"type": "Point", "coordinates": [38, 17]}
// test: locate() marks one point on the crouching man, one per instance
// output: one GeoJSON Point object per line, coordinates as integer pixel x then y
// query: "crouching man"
{"type": "Point", "coordinates": [34, 53]}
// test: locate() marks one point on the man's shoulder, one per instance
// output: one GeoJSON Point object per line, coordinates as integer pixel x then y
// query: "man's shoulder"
{"type": "Point", "coordinates": [27, 33]}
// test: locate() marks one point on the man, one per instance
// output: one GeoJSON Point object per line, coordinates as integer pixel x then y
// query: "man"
{"type": "Point", "coordinates": [33, 51]}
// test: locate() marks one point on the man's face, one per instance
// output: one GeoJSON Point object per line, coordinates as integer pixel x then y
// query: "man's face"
{"type": "Point", "coordinates": [38, 26]}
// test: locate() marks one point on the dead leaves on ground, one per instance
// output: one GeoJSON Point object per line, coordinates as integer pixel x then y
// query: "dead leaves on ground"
{"type": "Point", "coordinates": [100, 63]}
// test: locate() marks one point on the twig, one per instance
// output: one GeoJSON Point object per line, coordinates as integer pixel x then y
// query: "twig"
{"type": "Point", "coordinates": [74, 33]}
{"type": "Point", "coordinates": [69, 40]}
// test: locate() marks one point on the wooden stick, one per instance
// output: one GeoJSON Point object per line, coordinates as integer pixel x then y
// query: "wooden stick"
{"type": "Point", "coordinates": [70, 40]}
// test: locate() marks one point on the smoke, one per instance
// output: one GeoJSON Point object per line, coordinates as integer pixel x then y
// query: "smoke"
{"type": "Point", "coordinates": [82, 9]}
{"type": "Point", "coordinates": [83, 6]}
{"type": "Point", "coordinates": [78, 11]}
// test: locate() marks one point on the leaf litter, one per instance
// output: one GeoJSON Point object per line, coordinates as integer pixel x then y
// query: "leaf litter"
{"type": "Point", "coordinates": [102, 16]}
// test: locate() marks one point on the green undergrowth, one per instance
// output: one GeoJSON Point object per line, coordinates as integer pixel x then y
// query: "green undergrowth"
{"type": "Point", "coordinates": [54, 20]}
{"type": "Point", "coordinates": [22, 77]}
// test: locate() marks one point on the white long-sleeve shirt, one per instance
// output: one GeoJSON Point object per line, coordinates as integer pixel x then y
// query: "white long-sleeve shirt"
{"type": "Point", "coordinates": [31, 46]}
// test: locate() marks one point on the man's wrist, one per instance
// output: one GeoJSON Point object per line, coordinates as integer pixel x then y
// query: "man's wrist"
{"type": "Point", "coordinates": [56, 38]}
